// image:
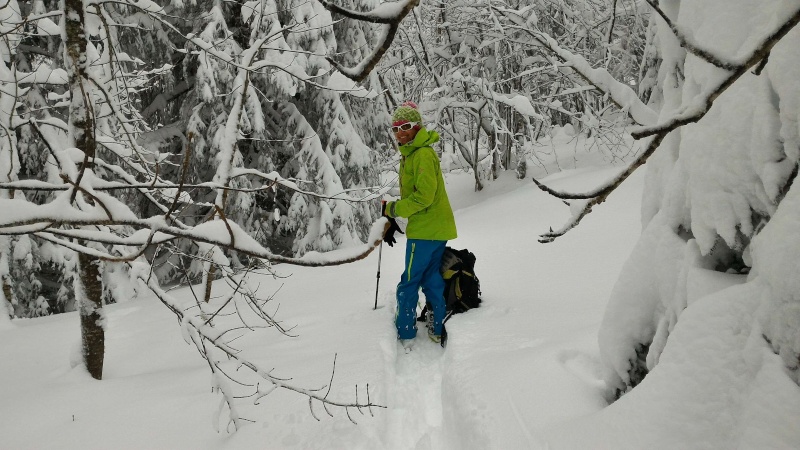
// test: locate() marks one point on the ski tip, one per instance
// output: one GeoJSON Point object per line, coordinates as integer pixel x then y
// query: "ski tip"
{"type": "Point", "coordinates": [406, 344]}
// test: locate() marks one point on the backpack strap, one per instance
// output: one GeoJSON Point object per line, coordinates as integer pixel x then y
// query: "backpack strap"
{"type": "Point", "coordinates": [447, 274]}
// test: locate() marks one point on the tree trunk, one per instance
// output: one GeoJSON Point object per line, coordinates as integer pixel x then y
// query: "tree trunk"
{"type": "Point", "coordinates": [495, 154]}
{"type": "Point", "coordinates": [82, 136]}
{"type": "Point", "coordinates": [475, 156]}
{"type": "Point", "coordinates": [7, 292]}
{"type": "Point", "coordinates": [90, 304]}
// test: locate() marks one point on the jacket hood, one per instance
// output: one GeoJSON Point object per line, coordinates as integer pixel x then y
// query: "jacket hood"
{"type": "Point", "coordinates": [424, 138]}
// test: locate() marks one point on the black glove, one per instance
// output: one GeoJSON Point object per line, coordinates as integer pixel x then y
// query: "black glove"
{"type": "Point", "coordinates": [389, 236]}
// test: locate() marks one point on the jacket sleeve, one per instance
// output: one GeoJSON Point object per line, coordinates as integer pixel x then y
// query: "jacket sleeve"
{"type": "Point", "coordinates": [426, 181]}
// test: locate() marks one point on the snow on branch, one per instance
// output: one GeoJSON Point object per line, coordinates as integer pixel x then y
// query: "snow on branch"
{"type": "Point", "coordinates": [597, 196]}
{"type": "Point", "coordinates": [700, 105]}
{"type": "Point", "coordinates": [53, 218]}
{"type": "Point", "coordinates": [271, 181]}
{"type": "Point", "coordinates": [696, 110]}
{"type": "Point", "coordinates": [620, 93]}
{"type": "Point", "coordinates": [385, 13]}
{"type": "Point", "coordinates": [389, 14]}
{"type": "Point", "coordinates": [692, 47]}
{"type": "Point", "coordinates": [519, 103]}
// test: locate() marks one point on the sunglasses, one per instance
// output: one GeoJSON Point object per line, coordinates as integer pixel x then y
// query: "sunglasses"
{"type": "Point", "coordinates": [404, 127]}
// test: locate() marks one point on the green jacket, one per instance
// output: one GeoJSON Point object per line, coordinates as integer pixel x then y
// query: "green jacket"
{"type": "Point", "coordinates": [423, 198]}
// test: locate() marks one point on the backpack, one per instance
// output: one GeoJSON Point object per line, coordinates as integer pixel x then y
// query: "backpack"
{"type": "Point", "coordinates": [462, 289]}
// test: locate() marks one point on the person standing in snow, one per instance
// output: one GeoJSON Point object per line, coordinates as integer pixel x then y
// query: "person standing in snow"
{"type": "Point", "coordinates": [423, 200]}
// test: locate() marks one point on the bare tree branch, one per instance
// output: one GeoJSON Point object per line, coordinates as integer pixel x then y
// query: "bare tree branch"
{"type": "Point", "coordinates": [599, 195]}
{"type": "Point", "coordinates": [211, 336]}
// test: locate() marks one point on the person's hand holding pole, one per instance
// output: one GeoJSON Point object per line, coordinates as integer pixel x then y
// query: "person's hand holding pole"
{"type": "Point", "coordinates": [388, 237]}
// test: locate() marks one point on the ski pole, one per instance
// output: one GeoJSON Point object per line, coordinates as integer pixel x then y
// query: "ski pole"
{"type": "Point", "coordinates": [380, 251]}
{"type": "Point", "coordinates": [378, 282]}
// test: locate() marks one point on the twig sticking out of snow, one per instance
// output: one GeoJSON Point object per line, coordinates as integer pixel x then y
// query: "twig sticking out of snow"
{"type": "Point", "coordinates": [226, 361]}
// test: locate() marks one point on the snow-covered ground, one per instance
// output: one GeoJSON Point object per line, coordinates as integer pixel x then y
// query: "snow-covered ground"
{"type": "Point", "coordinates": [523, 362]}
{"type": "Point", "coordinates": [521, 372]}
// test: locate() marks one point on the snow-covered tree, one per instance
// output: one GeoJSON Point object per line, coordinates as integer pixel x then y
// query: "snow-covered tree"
{"type": "Point", "coordinates": [494, 89]}
{"type": "Point", "coordinates": [295, 41]}
{"type": "Point", "coordinates": [122, 188]}
{"type": "Point", "coordinates": [720, 191]}
{"type": "Point", "coordinates": [711, 286]}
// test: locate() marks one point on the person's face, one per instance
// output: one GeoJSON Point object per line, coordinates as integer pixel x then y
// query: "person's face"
{"type": "Point", "coordinates": [405, 136]}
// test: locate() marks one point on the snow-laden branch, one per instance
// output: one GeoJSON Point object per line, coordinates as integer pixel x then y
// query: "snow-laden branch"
{"type": "Point", "coordinates": [43, 74]}
{"type": "Point", "coordinates": [386, 13]}
{"type": "Point", "coordinates": [270, 181]}
{"type": "Point", "coordinates": [55, 217]}
{"type": "Point", "coordinates": [390, 14]}
{"type": "Point", "coordinates": [691, 46]}
{"type": "Point", "coordinates": [697, 108]}
{"type": "Point", "coordinates": [620, 93]}
{"type": "Point", "coordinates": [519, 103]}
{"type": "Point", "coordinates": [701, 104]}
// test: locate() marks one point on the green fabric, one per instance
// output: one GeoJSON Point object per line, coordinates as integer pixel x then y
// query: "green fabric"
{"type": "Point", "coordinates": [406, 114]}
{"type": "Point", "coordinates": [423, 198]}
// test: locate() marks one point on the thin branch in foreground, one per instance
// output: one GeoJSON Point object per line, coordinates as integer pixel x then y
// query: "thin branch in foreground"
{"type": "Point", "coordinates": [206, 334]}
{"type": "Point", "coordinates": [602, 193]}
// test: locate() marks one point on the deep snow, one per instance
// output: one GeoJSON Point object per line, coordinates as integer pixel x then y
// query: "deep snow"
{"type": "Point", "coordinates": [524, 361]}
{"type": "Point", "coordinates": [522, 371]}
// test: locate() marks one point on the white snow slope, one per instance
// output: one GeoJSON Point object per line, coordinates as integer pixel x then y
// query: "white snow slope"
{"type": "Point", "coordinates": [521, 372]}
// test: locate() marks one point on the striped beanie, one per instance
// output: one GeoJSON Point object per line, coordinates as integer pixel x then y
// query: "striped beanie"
{"type": "Point", "coordinates": [407, 112]}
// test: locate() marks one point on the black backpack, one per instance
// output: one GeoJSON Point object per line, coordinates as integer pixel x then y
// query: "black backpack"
{"type": "Point", "coordinates": [462, 289]}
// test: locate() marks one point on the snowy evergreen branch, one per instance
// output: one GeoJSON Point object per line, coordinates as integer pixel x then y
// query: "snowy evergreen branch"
{"type": "Point", "coordinates": [393, 14]}
{"type": "Point", "coordinates": [619, 92]}
{"type": "Point", "coordinates": [700, 105]}
{"type": "Point", "coordinates": [692, 113]}
{"type": "Point", "coordinates": [693, 47]}
{"type": "Point", "coordinates": [206, 233]}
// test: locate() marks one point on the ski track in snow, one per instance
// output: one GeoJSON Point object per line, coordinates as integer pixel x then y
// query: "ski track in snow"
{"type": "Point", "coordinates": [414, 417]}
{"type": "Point", "coordinates": [523, 363]}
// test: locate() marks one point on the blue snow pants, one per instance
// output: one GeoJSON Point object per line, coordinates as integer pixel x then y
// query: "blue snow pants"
{"type": "Point", "coordinates": [423, 261]}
